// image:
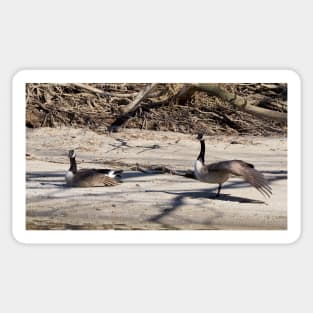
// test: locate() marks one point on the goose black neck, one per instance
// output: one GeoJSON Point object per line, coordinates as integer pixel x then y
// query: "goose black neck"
{"type": "Point", "coordinates": [73, 167]}
{"type": "Point", "coordinates": [202, 151]}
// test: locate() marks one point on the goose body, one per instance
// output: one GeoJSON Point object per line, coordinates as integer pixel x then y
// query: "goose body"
{"type": "Point", "coordinates": [220, 172]}
{"type": "Point", "coordinates": [89, 177]}
{"type": "Point", "coordinates": [203, 173]}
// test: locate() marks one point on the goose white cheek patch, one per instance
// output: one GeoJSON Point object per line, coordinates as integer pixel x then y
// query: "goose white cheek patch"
{"type": "Point", "coordinates": [144, 127]}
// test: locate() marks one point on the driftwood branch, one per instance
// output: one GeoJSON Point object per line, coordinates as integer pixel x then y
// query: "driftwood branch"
{"type": "Point", "coordinates": [240, 102]}
{"type": "Point", "coordinates": [131, 107]}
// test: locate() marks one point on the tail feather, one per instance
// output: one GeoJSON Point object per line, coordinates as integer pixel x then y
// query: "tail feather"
{"type": "Point", "coordinates": [108, 172]}
{"type": "Point", "coordinates": [119, 172]}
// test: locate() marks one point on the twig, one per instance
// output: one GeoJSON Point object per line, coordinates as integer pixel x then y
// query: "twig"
{"type": "Point", "coordinates": [89, 88]}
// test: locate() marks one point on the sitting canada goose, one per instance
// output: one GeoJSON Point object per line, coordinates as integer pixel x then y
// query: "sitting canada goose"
{"type": "Point", "coordinates": [89, 177]}
{"type": "Point", "coordinates": [220, 172]}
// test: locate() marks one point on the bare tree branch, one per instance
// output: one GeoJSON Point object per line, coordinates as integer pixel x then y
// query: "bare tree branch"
{"type": "Point", "coordinates": [131, 107]}
{"type": "Point", "coordinates": [241, 103]}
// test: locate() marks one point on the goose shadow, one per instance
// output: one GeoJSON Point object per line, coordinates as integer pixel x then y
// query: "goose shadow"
{"type": "Point", "coordinates": [37, 175]}
{"type": "Point", "coordinates": [281, 172]}
{"type": "Point", "coordinates": [137, 174]}
{"type": "Point", "coordinates": [209, 194]}
{"type": "Point", "coordinates": [42, 174]}
{"type": "Point", "coordinates": [46, 178]}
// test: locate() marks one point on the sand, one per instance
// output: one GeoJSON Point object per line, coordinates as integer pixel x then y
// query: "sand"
{"type": "Point", "coordinates": [145, 200]}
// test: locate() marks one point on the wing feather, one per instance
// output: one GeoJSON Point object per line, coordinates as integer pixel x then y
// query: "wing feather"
{"type": "Point", "coordinates": [93, 178]}
{"type": "Point", "coordinates": [247, 172]}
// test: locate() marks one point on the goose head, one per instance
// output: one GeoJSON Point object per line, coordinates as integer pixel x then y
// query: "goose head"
{"type": "Point", "coordinates": [200, 136]}
{"type": "Point", "coordinates": [71, 154]}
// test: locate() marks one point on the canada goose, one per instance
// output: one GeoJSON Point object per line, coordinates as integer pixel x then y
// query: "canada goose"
{"type": "Point", "coordinates": [89, 177]}
{"type": "Point", "coordinates": [220, 172]}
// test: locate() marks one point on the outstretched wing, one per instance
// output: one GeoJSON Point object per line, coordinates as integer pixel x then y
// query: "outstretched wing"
{"type": "Point", "coordinates": [247, 172]}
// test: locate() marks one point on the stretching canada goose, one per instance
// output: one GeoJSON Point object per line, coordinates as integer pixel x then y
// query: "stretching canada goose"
{"type": "Point", "coordinates": [89, 177]}
{"type": "Point", "coordinates": [220, 172]}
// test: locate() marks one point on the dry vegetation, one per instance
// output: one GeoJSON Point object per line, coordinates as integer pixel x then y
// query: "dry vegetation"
{"type": "Point", "coordinates": [97, 106]}
{"type": "Point", "coordinates": [155, 193]}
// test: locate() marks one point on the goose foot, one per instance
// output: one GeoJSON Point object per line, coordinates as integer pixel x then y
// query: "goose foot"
{"type": "Point", "coordinates": [218, 191]}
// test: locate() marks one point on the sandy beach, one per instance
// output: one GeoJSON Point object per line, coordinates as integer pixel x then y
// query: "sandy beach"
{"type": "Point", "coordinates": [150, 200]}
